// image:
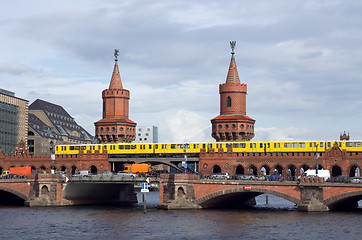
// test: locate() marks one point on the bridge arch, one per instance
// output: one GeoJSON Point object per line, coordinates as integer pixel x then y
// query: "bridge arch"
{"type": "Point", "coordinates": [93, 169]}
{"type": "Point", "coordinates": [160, 162]}
{"type": "Point", "coordinates": [252, 170]}
{"type": "Point", "coordinates": [218, 198]}
{"type": "Point", "coordinates": [239, 169]}
{"type": "Point", "coordinates": [266, 169]}
{"type": "Point", "coordinates": [303, 168]}
{"type": "Point", "coordinates": [349, 199]}
{"type": "Point", "coordinates": [12, 196]}
{"type": "Point", "coordinates": [353, 170]}
{"type": "Point", "coordinates": [336, 170]}
{"type": "Point", "coordinates": [216, 169]}
{"type": "Point", "coordinates": [279, 169]}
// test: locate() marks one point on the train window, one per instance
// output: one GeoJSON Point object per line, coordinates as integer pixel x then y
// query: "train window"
{"type": "Point", "coordinates": [243, 145]}
{"type": "Point", "coordinates": [236, 145]}
{"type": "Point", "coordinates": [187, 146]}
{"type": "Point", "coordinates": [261, 145]}
{"type": "Point", "coordinates": [294, 145]}
{"type": "Point", "coordinates": [228, 145]}
{"type": "Point", "coordinates": [321, 144]}
{"type": "Point", "coordinates": [149, 146]}
{"type": "Point", "coordinates": [278, 145]}
{"type": "Point", "coordinates": [127, 147]}
{"type": "Point", "coordinates": [71, 148]}
{"type": "Point", "coordinates": [329, 144]}
{"type": "Point", "coordinates": [156, 146]}
{"type": "Point", "coordinates": [165, 146]}
{"type": "Point", "coordinates": [268, 145]}
{"type": "Point", "coordinates": [357, 144]}
{"type": "Point", "coordinates": [77, 147]}
{"type": "Point", "coordinates": [83, 147]}
{"type": "Point", "coordinates": [56, 148]}
{"type": "Point", "coordinates": [173, 146]}
{"type": "Point", "coordinates": [286, 145]}
{"type": "Point", "coordinates": [133, 146]}
{"type": "Point", "coordinates": [340, 144]}
{"type": "Point", "coordinates": [349, 144]}
{"type": "Point", "coordinates": [251, 145]}
{"type": "Point", "coordinates": [121, 147]}
{"type": "Point", "coordinates": [105, 147]}
{"type": "Point", "coordinates": [99, 147]}
{"type": "Point", "coordinates": [301, 145]}
{"type": "Point", "coordinates": [275, 145]}
{"type": "Point", "coordinates": [254, 145]}
{"type": "Point", "coordinates": [197, 146]}
{"type": "Point", "coordinates": [310, 145]}
{"type": "Point", "coordinates": [204, 145]}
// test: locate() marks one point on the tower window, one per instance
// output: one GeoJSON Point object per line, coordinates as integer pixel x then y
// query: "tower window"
{"type": "Point", "coordinates": [228, 102]}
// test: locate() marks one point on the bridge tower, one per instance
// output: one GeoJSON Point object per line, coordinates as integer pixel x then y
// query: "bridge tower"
{"type": "Point", "coordinates": [232, 124]}
{"type": "Point", "coordinates": [115, 126]}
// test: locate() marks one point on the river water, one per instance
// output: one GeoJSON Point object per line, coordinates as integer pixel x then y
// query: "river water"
{"type": "Point", "coordinates": [276, 220]}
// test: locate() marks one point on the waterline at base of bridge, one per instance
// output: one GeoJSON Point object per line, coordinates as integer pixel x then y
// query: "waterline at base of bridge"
{"type": "Point", "coordinates": [185, 191]}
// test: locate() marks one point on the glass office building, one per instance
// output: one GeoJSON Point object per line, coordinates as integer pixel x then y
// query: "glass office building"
{"type": "Point", "coordinates": [13, 121]}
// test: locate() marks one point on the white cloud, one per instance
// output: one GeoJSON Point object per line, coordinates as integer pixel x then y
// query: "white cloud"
{"type": "Point", "coordinates": [185, 126]}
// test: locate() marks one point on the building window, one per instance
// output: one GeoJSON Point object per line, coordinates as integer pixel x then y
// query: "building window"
{"type": "Point", "coordinates": [220, 126]}
{"type": "Point", "coordinates": [121, 129]}
{"type": "Point", "coordinates": [241, 126]}
{"type": "Point", "coordinates": [228, 102]}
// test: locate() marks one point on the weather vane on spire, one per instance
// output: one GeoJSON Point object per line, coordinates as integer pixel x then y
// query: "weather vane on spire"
{"type": "Point", "coordinates": [232, 45]}
{"type": "Point", "coordinates": [116, 53]}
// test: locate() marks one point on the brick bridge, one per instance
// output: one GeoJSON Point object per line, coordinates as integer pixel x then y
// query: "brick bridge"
{"type": "Point", "coordinates": [50, 190]}
{"type": "Point", "coordinates": [189, 192]}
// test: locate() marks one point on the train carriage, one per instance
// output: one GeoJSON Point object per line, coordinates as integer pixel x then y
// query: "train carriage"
{"type": "Point", "coordinates": [178, 148]}
{"type": "Point", "coordinates": [78, 148]}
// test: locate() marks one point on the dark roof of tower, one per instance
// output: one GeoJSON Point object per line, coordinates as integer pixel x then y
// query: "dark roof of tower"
{"type": "Point", "coordinates": [232, 117]}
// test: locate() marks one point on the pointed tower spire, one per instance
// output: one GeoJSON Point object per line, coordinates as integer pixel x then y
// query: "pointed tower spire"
{"type": "Point", "coordinates": [116, 82]}
{"type": "Point", "coordinates": [233, 75]}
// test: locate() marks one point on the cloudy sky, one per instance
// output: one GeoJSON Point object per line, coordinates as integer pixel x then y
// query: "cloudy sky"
{"type": "Point", "coordinates": [301, 60]}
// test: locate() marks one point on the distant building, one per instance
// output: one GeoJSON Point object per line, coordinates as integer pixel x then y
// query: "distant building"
{"type": "Point", "coordinates": [13, 121]}
{"type": "Point", "coordinates": [49, 125]}
{"type": "Point", "coordinates": [146, 134]}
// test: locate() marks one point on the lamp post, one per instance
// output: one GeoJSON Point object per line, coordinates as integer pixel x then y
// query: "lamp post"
{"type": "Point", "coordinates": [316, 160]}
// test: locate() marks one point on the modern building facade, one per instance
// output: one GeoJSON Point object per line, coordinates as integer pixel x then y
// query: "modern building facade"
{"type": "Point", "coordinates": [232, 124]}
{"type": "Point", "coordinates": [49, 125]}
{"type": "Point", "coordinates": [115, 126]}
{"type": "Point", "coordinates": [146, 134]}
{"type": "Point", "coordinates": [13, 121]}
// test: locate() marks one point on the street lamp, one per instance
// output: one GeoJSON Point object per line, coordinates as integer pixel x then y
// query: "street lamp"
{"type": "Point", "coordinates": [316, 160]}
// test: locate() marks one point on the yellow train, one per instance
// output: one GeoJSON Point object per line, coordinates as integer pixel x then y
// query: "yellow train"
{"type": "Point", "coordinates": [194, 148]}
